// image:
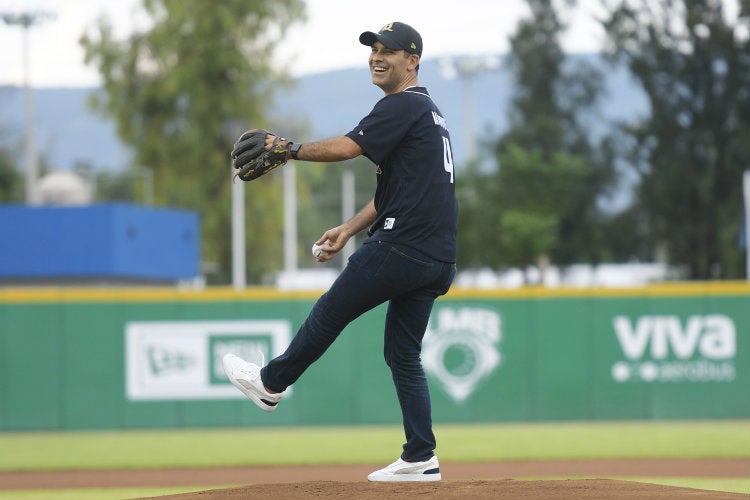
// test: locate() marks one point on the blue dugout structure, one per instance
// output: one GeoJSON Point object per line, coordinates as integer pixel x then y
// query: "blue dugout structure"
{"type": "Point", "coordinates": [108, 242]}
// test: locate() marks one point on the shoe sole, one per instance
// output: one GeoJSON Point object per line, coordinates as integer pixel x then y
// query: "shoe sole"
{"type": "Point", "coordinates": [404, 478]}
{"type": "Point", "coordinates": [247, 392]}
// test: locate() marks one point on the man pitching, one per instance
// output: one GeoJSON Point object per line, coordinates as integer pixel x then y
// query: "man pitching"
{"type": "Point", "coordinates": [408, 258]}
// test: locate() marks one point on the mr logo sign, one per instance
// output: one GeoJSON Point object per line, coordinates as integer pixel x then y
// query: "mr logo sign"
{"type": "Point", "coordinates": [460, 348]}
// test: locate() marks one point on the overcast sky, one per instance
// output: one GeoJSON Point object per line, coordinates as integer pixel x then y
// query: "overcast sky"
{"type": "Point", "coordinates": [327, 41]}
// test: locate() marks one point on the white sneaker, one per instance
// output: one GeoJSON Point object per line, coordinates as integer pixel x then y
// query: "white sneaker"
{"type": "Point", "coordinates": [245, 376]}
{"type": "Point", "coordinates": [400, 471]}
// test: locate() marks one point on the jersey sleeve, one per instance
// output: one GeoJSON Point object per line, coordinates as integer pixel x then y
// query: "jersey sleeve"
{"type": "Point", "coordinates": [382, 130]}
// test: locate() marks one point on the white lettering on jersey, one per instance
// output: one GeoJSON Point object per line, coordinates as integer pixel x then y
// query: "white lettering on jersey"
{"type": "Point", "coordinates": [439, 120]}
{"type": "Point", "coordinates": [389, 222]}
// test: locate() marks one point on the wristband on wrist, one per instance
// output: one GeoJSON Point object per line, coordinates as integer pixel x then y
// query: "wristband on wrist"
{"type": "Point", "coordinates": [294, 150]}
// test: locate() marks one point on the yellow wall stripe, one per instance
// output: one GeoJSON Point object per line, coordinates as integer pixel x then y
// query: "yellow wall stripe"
{"type": "Point", "coordinates": [11, 295]}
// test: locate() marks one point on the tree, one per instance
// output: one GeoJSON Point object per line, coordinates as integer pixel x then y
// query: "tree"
{"type": "Point", "coordinates": [479, 240]}
{"type": "Point", "coordinates": [539, 190]}
{"type": "Point", "coordinates": [10, 180]}
{"type": "Point", "coordinates": [182, 92]}
{"type": "Point", "coordinates": [694, 65]}
{"type": "Point", "coordinates": [542, 199]}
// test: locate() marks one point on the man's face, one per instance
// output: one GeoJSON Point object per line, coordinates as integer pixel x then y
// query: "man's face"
{"type": "Point", "coordinates": [390, 68]}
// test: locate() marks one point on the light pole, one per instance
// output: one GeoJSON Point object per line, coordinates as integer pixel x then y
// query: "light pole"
{"type": "Point", "coordinates": [239, 258]}
{"type": "Point", "coordinates": [467, 68]}
{"type": "Point", "coordinates": [348, 207]}
{"type": "Point", "coordinates": [290, 219]}
{"type": "Point", "coordinates": [26, 20]}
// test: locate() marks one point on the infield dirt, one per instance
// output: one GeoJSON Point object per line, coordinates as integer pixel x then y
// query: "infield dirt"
{"type": "Point", "coordinates": [569, 489]}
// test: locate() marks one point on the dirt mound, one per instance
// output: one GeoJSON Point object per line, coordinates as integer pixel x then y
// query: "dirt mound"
{"type": "Point", "coordinates": [508, 489]}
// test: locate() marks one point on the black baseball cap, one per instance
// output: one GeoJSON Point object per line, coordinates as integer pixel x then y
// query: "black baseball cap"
{"type": "Point", "coordinates": [396, 36]}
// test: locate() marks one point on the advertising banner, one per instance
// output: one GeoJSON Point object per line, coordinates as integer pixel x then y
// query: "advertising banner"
{"type": "Point", "coordinates": [178, 360]}
{"type": "Point", "coordinates": [130, 359]}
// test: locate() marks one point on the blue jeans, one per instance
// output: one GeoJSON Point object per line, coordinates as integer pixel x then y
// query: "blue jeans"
{"type": "Point", "coordinates": [378, 272]}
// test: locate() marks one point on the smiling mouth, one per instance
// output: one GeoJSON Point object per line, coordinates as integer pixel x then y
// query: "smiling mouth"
{"type": "Point", "coordinates": [378, 69]}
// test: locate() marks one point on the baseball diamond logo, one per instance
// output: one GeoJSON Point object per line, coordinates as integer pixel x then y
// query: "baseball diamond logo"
{"type": "Point", "coordinates": [460, 348]}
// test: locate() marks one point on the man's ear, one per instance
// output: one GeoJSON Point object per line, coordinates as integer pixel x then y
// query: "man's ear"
{"type": "Point", "coordinates": [413, 61]}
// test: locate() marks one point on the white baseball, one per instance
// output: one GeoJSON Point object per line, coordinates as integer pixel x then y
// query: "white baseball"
{"type": "Point", "coordinates": [317, 250]}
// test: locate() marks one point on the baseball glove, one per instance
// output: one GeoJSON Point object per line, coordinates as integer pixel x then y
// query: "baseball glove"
{"type": "Point", "coordinates": [251, 157]}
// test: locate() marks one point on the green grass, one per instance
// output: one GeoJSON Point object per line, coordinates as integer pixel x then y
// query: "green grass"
{"type": "Point", "coordinates": [332, 445]}
{"type": "Point", "coordinates": [730, 485]}
{"type": "Point", "coordinates": [97, 493]}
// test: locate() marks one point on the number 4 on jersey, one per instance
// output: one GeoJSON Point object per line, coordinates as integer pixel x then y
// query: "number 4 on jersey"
{"type": "Point", "coordinates": [448, 157]}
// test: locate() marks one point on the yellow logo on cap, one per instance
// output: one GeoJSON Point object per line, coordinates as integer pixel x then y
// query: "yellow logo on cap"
{"type": "Point", "coordinates": [387, 27]}
{"type": "Point", "coordinates": [413, 46]}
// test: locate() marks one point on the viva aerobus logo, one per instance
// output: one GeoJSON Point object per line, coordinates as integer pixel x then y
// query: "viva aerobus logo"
{"type": "Point", "coordinates": [460, 348]}
{"type": "Point", "coordinates": [666, 349]}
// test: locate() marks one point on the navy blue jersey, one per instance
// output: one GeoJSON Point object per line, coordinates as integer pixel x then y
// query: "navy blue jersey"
{"type": "Point", "coordinates": [407, 138]}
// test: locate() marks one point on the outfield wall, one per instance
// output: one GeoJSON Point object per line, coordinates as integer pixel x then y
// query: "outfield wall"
{"type": "Point", "coordinates": [126, 358]}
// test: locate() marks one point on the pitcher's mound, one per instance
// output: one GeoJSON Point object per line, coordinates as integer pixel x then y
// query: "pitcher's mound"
{"type": "Point", "coordinates": [507, 489]}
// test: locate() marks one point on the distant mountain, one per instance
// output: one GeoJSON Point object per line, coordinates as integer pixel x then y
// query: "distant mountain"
{"type": "Point", "coordinates": [330, 103]}
{"type": "Point", "coordinates": [67, 130]}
